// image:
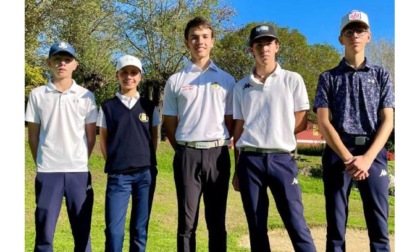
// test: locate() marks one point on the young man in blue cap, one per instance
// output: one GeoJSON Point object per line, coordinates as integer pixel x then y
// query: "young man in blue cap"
{"type": "Point", "coordinates": [269, 107]}
{"type": "Point", "coordinates": [354, 103]}
{"type": "Point", "coordinates": [128, 138]}
{"type": "Point", "coordinates": [61, 118]}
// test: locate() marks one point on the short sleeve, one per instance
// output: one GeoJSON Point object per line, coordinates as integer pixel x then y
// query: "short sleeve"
{"type": "Point", "coordinates": [321, 94]}
{"type": "Point", "coordinates": [92, 110]}
{"type": "Point", "coordinates": [169, 100]}
{"type": "Point", "coordinates": [32, 113]}
{"type": "Point", "coordinates": [229, 98]}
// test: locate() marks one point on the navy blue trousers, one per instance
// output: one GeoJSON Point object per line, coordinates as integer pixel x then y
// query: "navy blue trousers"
{"type": "Point", "coordinates": [119, 189]}
{"type": "Point", "coordinates": [153, 174]}
{"type": "Point", "coordinates": [257, 172]}
{"type": "Point", "coordinates": [50, 188]}
{"type": "Point", "coordinates": [201, 172]}
{"type": "Point", "coordinates": [374, 194]}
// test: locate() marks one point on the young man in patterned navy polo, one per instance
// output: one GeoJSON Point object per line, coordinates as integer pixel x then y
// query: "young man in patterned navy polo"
{"type": "Point", "coordinates": [354, 103]}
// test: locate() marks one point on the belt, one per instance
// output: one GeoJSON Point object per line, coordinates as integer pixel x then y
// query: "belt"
{"type": "Point", "coordinates": [356, 140]}
{"type": "Point", "coordinates": [261, 150]}
{"type": "Point", "coordinates": [205, 145]}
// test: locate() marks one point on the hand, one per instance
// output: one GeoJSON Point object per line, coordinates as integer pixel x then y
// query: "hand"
{"type": "Point", "coordinates": [358, 167]}
{"type": "Point", "coordinates": [235, 182]}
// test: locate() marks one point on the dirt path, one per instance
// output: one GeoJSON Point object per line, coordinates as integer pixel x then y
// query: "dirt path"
{"type": "Point", "coordinates": [357, 240]}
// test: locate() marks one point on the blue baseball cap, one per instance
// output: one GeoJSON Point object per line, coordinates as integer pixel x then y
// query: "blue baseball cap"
{"type": "Point", "coordinates": [62, 47]}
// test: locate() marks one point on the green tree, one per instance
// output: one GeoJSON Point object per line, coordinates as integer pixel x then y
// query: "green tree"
{"type": "Point", "coordinates": [35, 13]}
{"type": "Point", "coordinates": [88, 25]}
{"type": "Point", "coordinates": [34, 77]}
{"type": "Point", "coordinates": [382, 52]}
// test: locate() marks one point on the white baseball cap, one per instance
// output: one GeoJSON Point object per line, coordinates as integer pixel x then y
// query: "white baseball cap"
{"type": "Point", "coordinates": [354, 16]}
{"type": "Point", "coordinates": [128, 60]}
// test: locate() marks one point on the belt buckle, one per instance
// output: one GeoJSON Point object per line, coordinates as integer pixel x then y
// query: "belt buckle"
{"type": "Point", "coordinates": [360, 140]}
{"type": "Point", "coordinates": [202, 145]}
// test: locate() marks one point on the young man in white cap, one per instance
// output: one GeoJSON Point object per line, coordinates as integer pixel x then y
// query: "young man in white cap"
{"type": "Point", "coordinates": [61, 120]}
{"type": "Point", "coordinates": [354, 103]}
{"type": "Point", "coordinates": [197, 109]}
{"type": "Point", "coordinates": [128, 138]}
{"type": "Point", "coordinates": [269, 107]}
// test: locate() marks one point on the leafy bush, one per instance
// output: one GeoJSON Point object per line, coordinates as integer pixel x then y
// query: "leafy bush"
{"type": "Point", "coordinates": [310, 150]}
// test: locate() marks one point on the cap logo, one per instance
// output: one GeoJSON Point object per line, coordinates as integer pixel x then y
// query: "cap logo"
{"type": "Point", "coordinates": [262, 28]}
{"type": "Point", "coordinates": [63, 45]}
{"type": "Point", "coordinates": [355, 15]}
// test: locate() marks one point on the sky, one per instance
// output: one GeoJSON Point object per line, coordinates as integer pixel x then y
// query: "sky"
{"type": "Point", "coordinates": [319, 21]}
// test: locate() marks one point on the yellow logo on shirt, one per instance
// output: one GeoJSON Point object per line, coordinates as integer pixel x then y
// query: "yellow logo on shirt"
{"type": "Point", "coordinates": [143, 117]}
{"type": "Point", "coordinates": [215, 85]}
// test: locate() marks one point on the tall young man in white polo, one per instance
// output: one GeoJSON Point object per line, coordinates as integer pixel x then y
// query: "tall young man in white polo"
{"type": "Point", "coordinates": [197, 109]}
{"type": "Point", "coordinates": [269, 107]}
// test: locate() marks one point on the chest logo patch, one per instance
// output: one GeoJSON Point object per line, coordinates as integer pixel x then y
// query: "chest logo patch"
{"type": "Point", "coordinates": [247, 86]}
{"type": "Point", "coordinates": [215, 85]}
{"type": "Point", "coordinates": [143, 117]}
{"type": "Point", "coordinates": [371, 81]}
{"type": "Point", "coordinates": [187, 88]}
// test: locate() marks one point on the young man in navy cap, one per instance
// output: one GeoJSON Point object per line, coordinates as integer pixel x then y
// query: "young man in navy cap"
{"type": "Point", "coordinates": [128, 138]}
{"type": "Point", "coordinates": [264, 133]}
{"type": "Point", "coordinates": [354, 103]}
{"type": "Point", "coordinates": [61, 118]}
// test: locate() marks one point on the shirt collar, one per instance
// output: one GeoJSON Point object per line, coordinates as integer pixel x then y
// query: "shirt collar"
{"type": "Point", "coordinates": [191, 67]}
{"type": "Point", "coordinates": [344, 66]}
{"type": "Point", "coordinates": [126, 98]}
{"type": "Point", "coordinates": [256, 81]}
{"type": "Point", "coordinates": [73, 88]}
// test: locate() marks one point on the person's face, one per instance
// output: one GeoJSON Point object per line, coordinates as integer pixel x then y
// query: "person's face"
{"type": "Point", "coordinates": [264, 50]}
{"type": "Point", "coordinates": [355, 36]}
{"type": "Point", "coordinates": [129, 78]}
{"type": "Point", "coordinates": [199, 42]}
{"type": "Point", "coordinates": [62, 65]}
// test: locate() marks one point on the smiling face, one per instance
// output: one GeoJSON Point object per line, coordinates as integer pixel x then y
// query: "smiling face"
{"type": "Point", "coordinates": [199, 42]}
{"type": "Point", "coordinates": [62, 65]}
{"type": "Point", "coordinates": [129, 78]}
{"type": "Point", "coordinates": [264, 50]}
{"type": "Point", "coordinates": [355, 36]}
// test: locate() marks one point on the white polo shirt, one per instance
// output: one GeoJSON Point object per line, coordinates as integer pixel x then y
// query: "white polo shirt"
{"type": "Point", "coordinates": [129, 102]}
{"type": "Point", "coordinates": [268, 109]}
{"type": "Point", "coordinates": [201, 99]}
{"type": "Point", "coordinates": [62, 117]}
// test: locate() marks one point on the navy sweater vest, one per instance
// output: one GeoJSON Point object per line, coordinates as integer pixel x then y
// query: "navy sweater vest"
{"type": "Point", "coordinates": [129, 143]}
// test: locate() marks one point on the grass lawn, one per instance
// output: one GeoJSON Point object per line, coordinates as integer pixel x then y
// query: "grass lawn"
{"type": "Point", "coordinates": [163, 222]}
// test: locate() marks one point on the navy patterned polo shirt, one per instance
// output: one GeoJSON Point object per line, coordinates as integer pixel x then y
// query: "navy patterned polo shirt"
{"type": "Point", "coordinates": [355, 97]}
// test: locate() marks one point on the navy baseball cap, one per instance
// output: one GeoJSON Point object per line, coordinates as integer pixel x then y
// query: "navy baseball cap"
{"type": "Point", "coordinates": [60, 47]}
{"type": "Point", "coordinates": [262, 31]}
